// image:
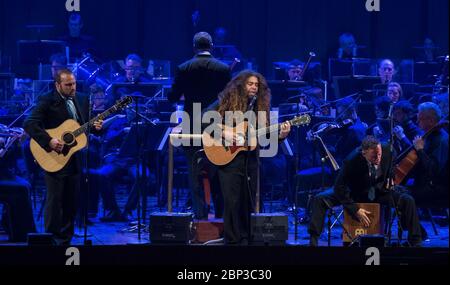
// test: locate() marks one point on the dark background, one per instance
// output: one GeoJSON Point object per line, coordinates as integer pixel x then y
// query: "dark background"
{"type": "Point", "coordinates": [266, 30]}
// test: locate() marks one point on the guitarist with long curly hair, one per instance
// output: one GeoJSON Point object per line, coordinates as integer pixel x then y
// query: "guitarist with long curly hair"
{"type": "Point", "coordinates": [248, 91]}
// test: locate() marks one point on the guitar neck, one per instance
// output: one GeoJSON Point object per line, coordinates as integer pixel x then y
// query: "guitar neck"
{"type": "Point", "coordinates": [85, 126]}
{"type": "Point", "coordinates": [271, 128]}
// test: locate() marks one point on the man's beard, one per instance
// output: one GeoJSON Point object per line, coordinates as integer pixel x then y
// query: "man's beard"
{"type": "Point", "coordinates": [68, 94]}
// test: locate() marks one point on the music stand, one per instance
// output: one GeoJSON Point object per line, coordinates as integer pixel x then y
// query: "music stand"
{"type": "Point", "coordinates": [137, 139]}
{"type": "Point", "coordinates": [153, 142]}
{"type": "Point", "coordinates": [161, 69]}
{"type": "Point", "coordinates": [345, 85]}
{"type": "Point", "coordinates": [37, 52]}
{"type": "Point", "coordinates": [226, 52]}
{"type": "Point", "coordinates": [282, 90]}
{"type": "Point", "coordinates": [145, 88]}
{"type": "Point", "coordinates": [426, 72]}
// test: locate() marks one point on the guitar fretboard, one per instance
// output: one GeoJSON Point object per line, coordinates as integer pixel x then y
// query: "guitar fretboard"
{"type": "Point", "coordinates": [272, 128]}
{"type": "Point", "coordinates": [85, 126]}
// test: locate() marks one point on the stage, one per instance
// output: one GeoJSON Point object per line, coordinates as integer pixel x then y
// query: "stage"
{"type": "Point", "coordinates": [257, 257]}
{"type": "Point", "coordinates": [114, 244]}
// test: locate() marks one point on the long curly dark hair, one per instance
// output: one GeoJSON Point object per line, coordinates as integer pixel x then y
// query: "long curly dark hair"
{"type": "Point", "coordinates": [234, 98]}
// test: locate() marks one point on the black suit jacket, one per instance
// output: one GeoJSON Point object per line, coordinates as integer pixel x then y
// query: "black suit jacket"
{"type": "Point", "coordinates": [200, 80]}
{"type": "Point", "coordinates": [50, 112]}
{"type": "Point", "coordinates": [353, 181]}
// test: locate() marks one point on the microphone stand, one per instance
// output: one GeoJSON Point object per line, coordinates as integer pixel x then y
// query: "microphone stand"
{"type": "Point", "coordinates": [139, 164]}
{"type": "Point", "coordinates": [143, 117]}
{"type": "Point", "coordinates": [250, 107]}
{"type": "Point", "coordinates": [86, 177]}
{"type": "Point", "coordinates": [389, 178]}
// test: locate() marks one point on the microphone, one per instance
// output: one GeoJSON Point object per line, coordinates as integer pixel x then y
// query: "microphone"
{"type": "Point", "coordinates": [391, 108]}
{"type": "Point", "coordinates": [252, 102]}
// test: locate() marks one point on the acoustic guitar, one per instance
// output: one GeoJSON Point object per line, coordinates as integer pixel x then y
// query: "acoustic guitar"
{"type": "Point", "coordinates": [219, 152]}
{"type": "Point", "coordinates": [73, 136]}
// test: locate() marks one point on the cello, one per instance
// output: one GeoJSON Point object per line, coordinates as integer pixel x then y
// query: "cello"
{"type": "Point", "coordinates": [410, 160]}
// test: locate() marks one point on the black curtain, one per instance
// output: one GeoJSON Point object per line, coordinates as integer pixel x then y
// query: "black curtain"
{"type": "Point", "coordinates": [265, 30]}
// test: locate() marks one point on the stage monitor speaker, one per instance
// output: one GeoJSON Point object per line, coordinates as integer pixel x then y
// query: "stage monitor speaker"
{"type": "Point", "coordinates": [269, 228]}
{"type": "Point", "coordinates": [166, 227]}
{"type": "Point", "coordinates": [372, 240]}
{"type": "Point", "coordinates": [40, 239]}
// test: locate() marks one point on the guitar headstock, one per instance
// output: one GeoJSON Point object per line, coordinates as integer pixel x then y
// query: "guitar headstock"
{"type": "Point", "coordinates": [304, 119]}
{"type": "Point", "coordinates": [124, 102]}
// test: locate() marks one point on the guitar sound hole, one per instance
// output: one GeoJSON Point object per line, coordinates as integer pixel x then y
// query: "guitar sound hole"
{"type": "Point", "coordinates": [68, 138]}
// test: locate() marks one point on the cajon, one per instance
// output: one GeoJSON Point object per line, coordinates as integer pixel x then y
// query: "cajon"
{"type": "Point", "coordinates": [355, 228]}
{"type": "Point", "coordinates": [208, 230]}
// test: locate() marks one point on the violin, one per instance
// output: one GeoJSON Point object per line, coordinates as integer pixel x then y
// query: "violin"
{"type": "Point", "coordinates": [326, 127]}
{"type": "Point", "coordinates": [12, 135]}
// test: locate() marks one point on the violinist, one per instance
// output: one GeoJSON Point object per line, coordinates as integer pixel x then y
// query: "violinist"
{"type": "Point", "coordinates": [394, 91]}
{"type": "Point", "coordinates": [346, 133]}
{"type": "Point", "coordinates": [353, 131]}
{"type": "Point", "coordinates": [405, 130]}
{"type": "Point", "coordinates": [17, 217]}
{"type": "Point", "coordinates": [431, 170]}
{"type": "Point", "coordinates": [295, 70]}
{"type": "Point", "coordinates": [381, 128]}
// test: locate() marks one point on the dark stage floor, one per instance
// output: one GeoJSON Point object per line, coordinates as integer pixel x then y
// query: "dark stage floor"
{"type": "Point", "coordinates": [120, 233]}
{"type": "Point", "coordinates": [114, 244]}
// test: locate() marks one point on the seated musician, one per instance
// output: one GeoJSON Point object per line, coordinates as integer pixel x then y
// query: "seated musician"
{"type": "Point", "coordinates": [405, 129]}
{"type": "Point", "coordinates": [58, 61]}
{"type": "Point", "coordinates": [17, 217]}
{"type": "Point", "coordinates": [115, 166]}
{"type": "Point", "coordinates": [431, 171]}
{"type": "Point", "coordinates": [362, 179]}
{"type": "Point", "coordinates": [98, 98]}
{"type": "Point", "coordinates": [347, 46]}
{"type": "Point", "coordinates": [353, 130]}
{"type": "Point", "coordinates": [380, 129]}
{"type": "Point", "coordinates": [394, 92]}
{"type": "Point", "coordinates": [134, 73]}
{"type": "Point", "coordinates": [386, 71]}
{"type": "Point", "coordinates": [294, 70]}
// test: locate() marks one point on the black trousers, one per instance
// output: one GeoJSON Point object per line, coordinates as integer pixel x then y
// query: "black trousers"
{"type": "Point", "coordinates": [405, 203]}
{"type": "Point", "coordinates": [61, 206]}
{"type": "Point", "coordinates": [238, 192]}
{"type": "Point", "coordinates": [17, 215]}
{"type": "Point", "coordinates": [196, 162]}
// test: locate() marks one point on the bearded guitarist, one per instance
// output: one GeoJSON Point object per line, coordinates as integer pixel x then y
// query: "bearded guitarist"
{"type": "Point", "coordinates": [50, 112]}
{"type": "Point", "coordinates": [238, 179]}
